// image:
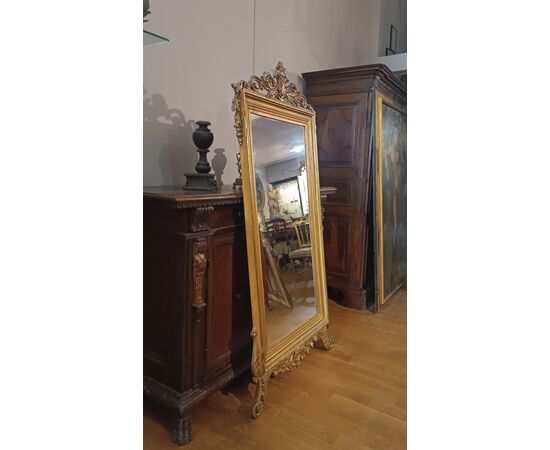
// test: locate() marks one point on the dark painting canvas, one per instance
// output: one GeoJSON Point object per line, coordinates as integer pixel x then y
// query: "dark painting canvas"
{"type": "Point", "coordinates": [394, 198]}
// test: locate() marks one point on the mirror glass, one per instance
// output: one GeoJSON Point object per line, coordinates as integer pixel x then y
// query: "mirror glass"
{"type": "Point", "coordinates": [283, 217]}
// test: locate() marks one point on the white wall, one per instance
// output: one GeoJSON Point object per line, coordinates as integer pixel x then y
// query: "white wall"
{"type": "Point", "coordinates": [396, 63]}
{"type": "Point", "coordinates": [283, 170]}
{"type": "Point", "coordinates": [310, 35]}
{"type": "Point", "coordinates": [188, 79]}
{"type": "Point", "coordinates": [212, 45]}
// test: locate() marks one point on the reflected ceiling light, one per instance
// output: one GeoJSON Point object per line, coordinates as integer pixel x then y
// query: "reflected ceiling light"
{"type": "Point", "coordinates": [297, 148]}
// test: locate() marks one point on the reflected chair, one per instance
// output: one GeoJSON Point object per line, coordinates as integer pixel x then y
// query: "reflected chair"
{"type": "Point", "coordinates": [302, 233]}
{"type": "Point", "coordinates": [301, 257]}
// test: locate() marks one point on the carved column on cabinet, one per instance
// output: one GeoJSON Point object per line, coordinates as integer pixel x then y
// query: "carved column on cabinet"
{"type": "Point", "coordinates": [200, 263]}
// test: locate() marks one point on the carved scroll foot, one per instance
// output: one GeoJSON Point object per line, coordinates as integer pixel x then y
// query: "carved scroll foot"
{"type": "Point", "coordinates": [259, 398]}
{"type": "Point", "coordinates": [324, 340]}
{"type": "Point", "coordinates": [181, 431]}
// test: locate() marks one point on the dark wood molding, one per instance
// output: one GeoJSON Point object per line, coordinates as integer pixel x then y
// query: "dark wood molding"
{"type": "Point", "coordinates": [361, 73]}
{"type": "Point", "coordinates": [177, 197]}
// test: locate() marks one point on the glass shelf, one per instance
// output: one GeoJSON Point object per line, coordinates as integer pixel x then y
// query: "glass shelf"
{"type": "Point", "coordinates": [152, 38]}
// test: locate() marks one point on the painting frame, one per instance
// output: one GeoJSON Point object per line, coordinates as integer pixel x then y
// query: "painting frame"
{"type": "Point", "coordinates": [288, 180]}
{"type": "Point", "coordinates": [392, 49]}
{"type": "Point", "coordinates": [381, 296]}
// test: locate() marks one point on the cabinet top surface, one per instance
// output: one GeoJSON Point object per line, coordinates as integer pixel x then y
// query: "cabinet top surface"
{"type": "Point", "coordinates": [178, 194]}
{"type": "Point", "coordinates": [370, 69]}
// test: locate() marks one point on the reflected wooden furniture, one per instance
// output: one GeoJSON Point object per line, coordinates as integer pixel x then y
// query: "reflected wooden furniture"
{"type": "Point", "coordinates": [196, 317]}
{"type": "Point", "coordinates": [344, 102]}
{"type": "Point", "coordinates": [299, 258]}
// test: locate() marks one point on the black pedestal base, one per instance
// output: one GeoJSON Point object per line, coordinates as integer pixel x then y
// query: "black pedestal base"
{"type": "Point", "coordinates": [200, 182]}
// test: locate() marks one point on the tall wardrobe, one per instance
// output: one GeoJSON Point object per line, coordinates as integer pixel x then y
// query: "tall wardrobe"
{"type": "Point", "coordinates": [345, 104]}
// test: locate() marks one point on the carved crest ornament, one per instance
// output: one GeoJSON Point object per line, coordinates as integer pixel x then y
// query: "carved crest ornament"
{"type": "Point", "coordinates": [275, 86]}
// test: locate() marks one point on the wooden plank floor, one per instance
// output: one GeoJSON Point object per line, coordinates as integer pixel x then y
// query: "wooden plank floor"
{"type": "Point", "coordinates": [351, 397]}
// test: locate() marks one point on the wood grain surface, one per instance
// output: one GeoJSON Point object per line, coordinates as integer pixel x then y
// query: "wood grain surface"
{"type": "Point", "coordinates": [351, 397]}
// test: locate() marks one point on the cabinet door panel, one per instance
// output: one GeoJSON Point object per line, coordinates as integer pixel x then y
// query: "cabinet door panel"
{"type": "Point", "coordinates": [163, 306]}
{"type": "Point", "coordinates": [337, 229]}
{"type": "Point", "coordinates": [220, 300]}
{"type": "Point", "coordinates": [336, 127]}
{"type": "Point", "coordinates": [343, 155]}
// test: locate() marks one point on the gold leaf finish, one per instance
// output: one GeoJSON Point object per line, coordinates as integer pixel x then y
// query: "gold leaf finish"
{"type": "Point", "coordinates": [294, 359]}
{"type": "Point", "coordinates": [275, 86]}
{"type": "Point", "coordinates": [274, 97]}
{"type": "Point", "coordinates": [199, 270]}
{"type": "Point", "coordinates": [324, 340]}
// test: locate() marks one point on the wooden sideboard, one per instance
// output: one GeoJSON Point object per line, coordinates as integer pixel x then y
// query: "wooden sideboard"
{"type": "Point", "coordinates": [196, 298]}
{"type": "Point", "coordinates": [196, 316]}
{"type": "Point", "coordinates": [344, 101]}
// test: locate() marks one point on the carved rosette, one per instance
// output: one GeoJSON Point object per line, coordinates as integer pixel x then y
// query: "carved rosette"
{"type": "Point", "coordinates": [199, 221]}
{"type": "Point", "coordinates": [275, 86]}
{"type": "Point", "coordinates": [200, 261]}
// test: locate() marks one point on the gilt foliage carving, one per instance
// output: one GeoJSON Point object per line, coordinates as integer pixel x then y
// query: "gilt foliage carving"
{"type": "Point", "coordinates": [275, 86]}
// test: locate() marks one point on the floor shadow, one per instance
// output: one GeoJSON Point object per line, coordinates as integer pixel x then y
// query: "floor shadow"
{"type": "Point", "coordinates": [157, 413]}
{"type": "Point", "coordinates": [167, 142]}
{"type": "Point", "coordinates": [243, 390]}
{"type": "Point", "coordinates": [218, 164]}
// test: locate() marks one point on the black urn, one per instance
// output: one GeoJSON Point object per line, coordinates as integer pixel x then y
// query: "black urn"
{"type": "Point", "coordinates": [203, 138]}
{"type": "Point", "coordinates": [202, 180]}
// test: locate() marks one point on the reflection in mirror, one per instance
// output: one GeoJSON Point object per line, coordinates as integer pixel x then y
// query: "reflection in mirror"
{"type": "Point", "coordinates": [283, 216]}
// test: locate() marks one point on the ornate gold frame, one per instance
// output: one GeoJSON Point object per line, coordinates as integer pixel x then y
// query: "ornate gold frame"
{"type": "Point", "coordinates": [281, 101]}
{"type": "Point", "coordinates": [380, 300]}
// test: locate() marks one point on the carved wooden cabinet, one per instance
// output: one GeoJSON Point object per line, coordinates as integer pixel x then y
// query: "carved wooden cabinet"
{"type": "Point", "coordinates": [196, 317]}
{"type": "Point", "coordinates": [196, 299]}
{"type": "Point", "coordinates": [344, 102]}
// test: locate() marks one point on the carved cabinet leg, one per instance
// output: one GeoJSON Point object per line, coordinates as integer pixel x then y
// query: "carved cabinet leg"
{"type": "Point", "coordinates": [181, 431]}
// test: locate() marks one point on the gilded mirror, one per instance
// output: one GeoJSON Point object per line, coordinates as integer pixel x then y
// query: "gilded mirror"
{"type": "Point", "coordinates": [276, 131]}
